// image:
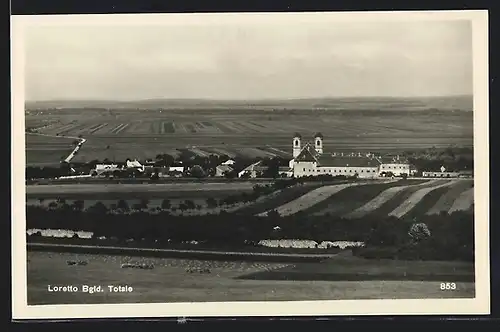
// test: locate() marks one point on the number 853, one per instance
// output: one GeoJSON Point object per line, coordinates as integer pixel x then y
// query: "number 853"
{"type": "Point", "coordinates": [447, 286]}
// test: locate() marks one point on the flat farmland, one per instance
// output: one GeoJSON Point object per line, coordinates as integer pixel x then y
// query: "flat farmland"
{"type": "Point", "coordinates": [46, 150]}
{"type": "Point", "coordinates": [170, 281]}
{"type": "Point", "coordinates": [122, 134]}
{"type": "Point", "coordinates": [137, 191]}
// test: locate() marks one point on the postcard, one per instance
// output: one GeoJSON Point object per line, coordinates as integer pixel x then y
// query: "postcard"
{"type": "Point", "coordinates": [250, 164]}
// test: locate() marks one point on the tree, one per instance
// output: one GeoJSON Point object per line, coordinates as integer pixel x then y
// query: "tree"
{"type": "Point", "coordinates": [122, 205]}
{"type": "Point", "coordinates": [144, 203]}
{"type": "Point", "coordinates": [98, 208]}
{"type": "Point", "coordinates": [419, 232]}
{"type": "Point", "coordinates": [230, 174]}
{"type": "Point", "coordinates": [197, 171]}
{"type": "Point", "coordinates": [211, 202]}
{"type": "Point", "coordinates": [189, 204]}
{"type": "Point", "coordinates": [272, 170]}
{"type": "Point", "coordinates": [165, 204]}
{"type": "Point", "coordinates": [78, 205]}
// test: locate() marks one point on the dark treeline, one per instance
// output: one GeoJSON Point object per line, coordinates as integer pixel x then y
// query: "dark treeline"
{"type": "Point", "coordinates": [450, 237]}
{"type": "Point", "coordinates": [454, 159]}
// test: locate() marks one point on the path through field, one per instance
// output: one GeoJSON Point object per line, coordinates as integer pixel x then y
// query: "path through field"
{"type": "Point", "coordinates": [416, 197]}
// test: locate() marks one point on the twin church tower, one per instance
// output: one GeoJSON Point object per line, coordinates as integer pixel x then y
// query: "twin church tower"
{"type": "Point", "coordinates": [297, 147]}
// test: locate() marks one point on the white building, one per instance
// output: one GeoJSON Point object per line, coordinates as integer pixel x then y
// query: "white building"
{"type": "Point", "coordinates": [222, 169]}
{"type": "Point", "coordinates": [311, 160]}
{"type": "Point", "coordinates": [103, 167]}
{"type": "Point", "coordinates": [253, 170]}
{"type": "Point", "coordinates": [394, 165]}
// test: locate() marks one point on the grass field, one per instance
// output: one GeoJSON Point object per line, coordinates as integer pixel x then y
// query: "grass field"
{"type": "Point", "coordinates": [170, 280]}
{"type": "Point", "coordinates": [414, 198]}
{"type": "Point", "coordinates": [120, 134]}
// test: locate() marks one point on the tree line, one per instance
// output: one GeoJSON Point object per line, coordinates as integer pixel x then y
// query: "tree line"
{"type": "Point", "coordinates": [449, 237]}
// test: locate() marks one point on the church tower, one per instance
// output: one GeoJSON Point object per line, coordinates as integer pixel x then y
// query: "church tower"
{"type": "Point", "coordinates": [318, 143]}
{"type": "Point", "coordinates": [296, 145]}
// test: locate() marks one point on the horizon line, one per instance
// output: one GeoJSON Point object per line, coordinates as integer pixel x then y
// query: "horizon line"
{"type": "Point", "coordinates": [243, 99]}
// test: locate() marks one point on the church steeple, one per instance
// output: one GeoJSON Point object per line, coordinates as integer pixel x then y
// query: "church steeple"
{"type": "Point", "coordinates": [318, 142]}
{"type": "Point", "coordinates": [296, 144]}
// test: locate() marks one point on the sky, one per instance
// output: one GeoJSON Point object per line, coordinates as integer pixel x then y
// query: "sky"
{"type": "Point", "coordinates": [248, 60]}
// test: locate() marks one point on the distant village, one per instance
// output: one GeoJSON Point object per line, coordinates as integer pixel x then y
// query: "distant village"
{"type": "Point", "coordinates": [308, 159]}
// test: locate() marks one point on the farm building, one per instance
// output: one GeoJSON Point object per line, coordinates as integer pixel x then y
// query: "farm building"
{"type": "Point", "coordinates": [258, 168]}
{"type": "Point", "coordinates": [310, 160]}
{"type": "Point", "coordinates": [466, 174]}
{"type": "Point", "coordinates": [440, 174]}
{"type": "Point", "coordinates": [178, 169]}
{"type": "Point", "coordinates": [102, 167]}
{"type": "Point", "coordinates": [222, 169]}
{"type": "Point", "coordinates": [253, 170]}
{"type": "Point", "coordinates": [395, 165]}
{"type": "Point", "coordinates": [134, 164]}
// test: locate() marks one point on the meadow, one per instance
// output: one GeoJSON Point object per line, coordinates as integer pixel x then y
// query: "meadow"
{"type": "Point", "coordinates": [170, 280]}
{"type": "Point", "coordinates": [117, 134]}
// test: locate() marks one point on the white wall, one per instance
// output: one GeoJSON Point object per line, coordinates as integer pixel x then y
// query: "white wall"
{"type": "Point", "coordinates": [304, 169]}
{"type": "Point", "coordinates": [310, 169]}
{"type": "Point", "coordinates": [396, 169]}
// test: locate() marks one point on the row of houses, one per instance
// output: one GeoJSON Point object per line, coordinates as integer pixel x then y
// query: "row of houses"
{"type": "Point", "coordinates": [308, 160]}
{"type": "Point", "coordinates": [135, 165]}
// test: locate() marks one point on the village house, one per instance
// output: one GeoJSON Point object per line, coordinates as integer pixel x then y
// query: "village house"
{"type": "Point", "coordinates": [253, 170]}
{"type": "Point", "coordinates": [229, 162]}
{"type": "Point", "coordinates": [222, 170]}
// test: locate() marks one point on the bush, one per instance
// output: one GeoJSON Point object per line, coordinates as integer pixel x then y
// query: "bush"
{"type": "Point", "coordinates": [419, 232]}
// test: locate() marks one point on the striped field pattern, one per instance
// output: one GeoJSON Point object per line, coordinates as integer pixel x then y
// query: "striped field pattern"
{"type": "Point", "coordinates": [390, 198]}
{"type": "Point", "coordinates": [348, 200]}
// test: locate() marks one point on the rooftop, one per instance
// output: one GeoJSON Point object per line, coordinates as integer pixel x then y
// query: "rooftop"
{"type": "Point", "coordinates": [224, 168]}
{"type": "Point", "coordinates": [327, 160]}
{"type": "Point", "coordinates": [308, 154]}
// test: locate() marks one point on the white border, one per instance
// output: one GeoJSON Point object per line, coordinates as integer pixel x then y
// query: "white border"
{"type": "Point", "coordinates": [478, 305]}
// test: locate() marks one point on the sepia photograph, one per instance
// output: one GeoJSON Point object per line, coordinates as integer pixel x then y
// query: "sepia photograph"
{"type": "Point", "coordinates": [239, 164]}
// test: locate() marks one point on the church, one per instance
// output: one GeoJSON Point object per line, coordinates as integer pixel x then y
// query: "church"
{"type": "Point", "coordinates": [310, 160]}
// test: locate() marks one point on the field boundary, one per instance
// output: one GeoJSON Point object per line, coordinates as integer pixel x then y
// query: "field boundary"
{"type": "Point", "coordinates": [177, 253]}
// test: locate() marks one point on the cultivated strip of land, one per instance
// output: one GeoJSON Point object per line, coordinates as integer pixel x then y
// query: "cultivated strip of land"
{"type": "Point", "coordinates": [413, 200]}
{"type": "Point", "coordinates": [463, 202]}
{"type": "Point", "coordinates": [311, 198]}
{"type": "Point", "coordinates": [445, 201]}
{"type": "Point", "coordinates": [381, 199]}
